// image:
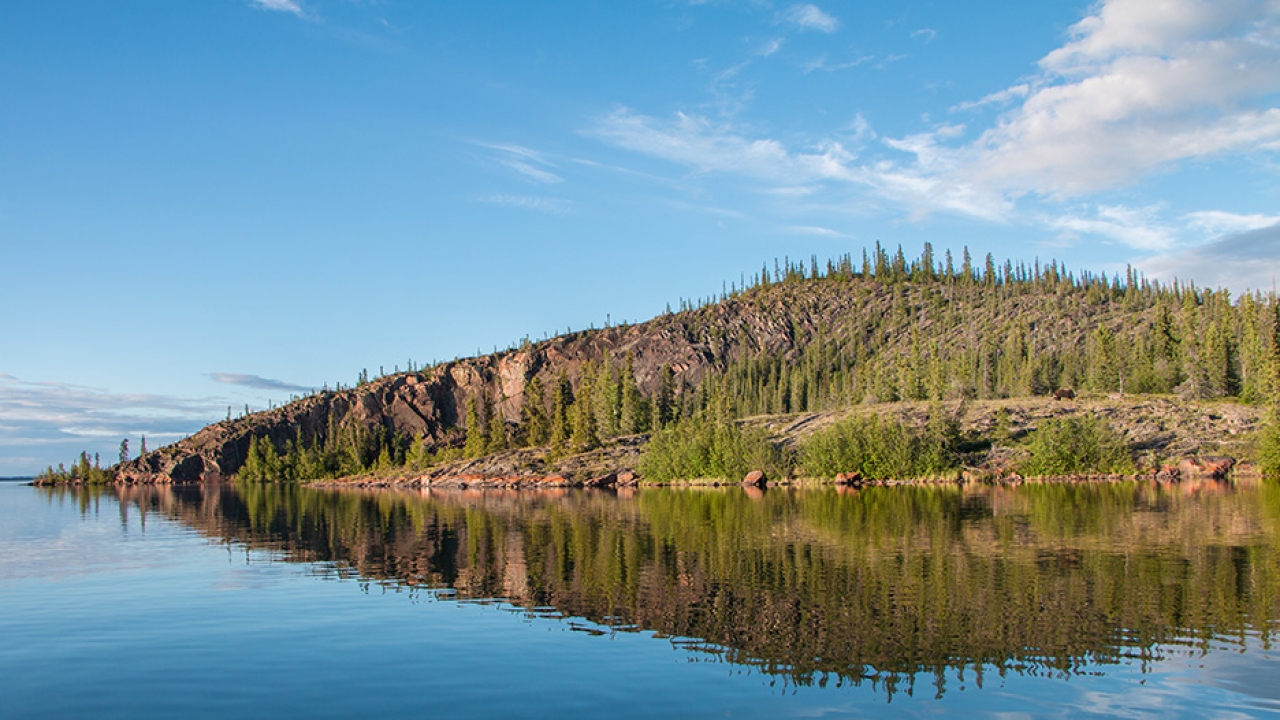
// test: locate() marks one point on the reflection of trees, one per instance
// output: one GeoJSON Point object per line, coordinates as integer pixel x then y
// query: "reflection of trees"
{"type": "Point", "coordinates": [885, 583]}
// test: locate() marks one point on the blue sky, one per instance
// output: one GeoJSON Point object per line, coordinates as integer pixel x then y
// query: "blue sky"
{"type": "Point", "coordinates": [220, 203]}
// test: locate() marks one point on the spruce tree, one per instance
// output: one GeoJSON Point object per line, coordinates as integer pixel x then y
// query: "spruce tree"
{"type": "Point", "coordinates": [497, 431]}
{"type": "Point", "coordinates": [535, 426]}
{"type": "Point", "coordinates": [664, 400]}
{"type": "Point", "coordinates": [561, 403]}
{"type": "Point", "coordinates": [477, 442]}
{"type": "Point", "coordinates": [585, 432]}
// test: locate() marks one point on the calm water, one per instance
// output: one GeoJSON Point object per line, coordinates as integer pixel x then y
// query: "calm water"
{"type": "Point", "coordinates": [270, 601]}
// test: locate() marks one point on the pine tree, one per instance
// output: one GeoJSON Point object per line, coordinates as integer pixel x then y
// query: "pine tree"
{"type": "Point", "coordinates": [477, 440]}
{"type": "Point", "coordinates": [585, 433]}
{"type": "Point", "coordinates": [124, 450]}
{"type": "Point", "coordinates": [664, 400]}
{"type": "Point", "coordinates": [497, 431]}
{"type": "Point", "coordinates": [607, 393]}
{"type": "Point", "coordinates": [633, 418]}
{"type": "Point", "coordinates": [535, 426]}
{"type": "Point", "coordinates": [561, 403]}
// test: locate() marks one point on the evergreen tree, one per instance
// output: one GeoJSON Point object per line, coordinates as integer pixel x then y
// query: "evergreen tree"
{"type": "Point", "coordinates": [477, 436]}
{"type": "Point", "coordinates": [585, 433]}
{"type": "Point", "coordinates": [534, 423]}
{"type": "Point", "coordinates": [607, 395]}
{"type": "Point", "coordinates": [497, 432]}
{"type": "Point", "coordinates": [664, 401]}
{"type": "Point", "coordinates": [561, 403]}
{"type": "Point", "coordinates": [418, 457]}
{"type": "Point", "coordinates": [633, 416]}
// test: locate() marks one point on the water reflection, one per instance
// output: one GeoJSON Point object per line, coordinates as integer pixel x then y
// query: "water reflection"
{"type": "Point", "coordinates": [892, 585]}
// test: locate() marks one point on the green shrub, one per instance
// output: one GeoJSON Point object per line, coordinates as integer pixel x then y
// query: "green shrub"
{"type": "Point", "coordinates": [879, 449]}
{"type": "Point", "coordinates": [694, 448]}
{"type": "Point", "coordinates": [1077, 445]}
{"type": "Point", "coordinates": [1269, 448]}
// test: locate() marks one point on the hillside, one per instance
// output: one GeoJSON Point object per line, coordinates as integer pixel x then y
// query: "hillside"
{"type": "Point", "coordinates": [797, 340]}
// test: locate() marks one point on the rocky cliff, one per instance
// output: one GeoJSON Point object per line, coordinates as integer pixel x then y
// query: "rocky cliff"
{"type": "Point", "coordinates": [432, 403]}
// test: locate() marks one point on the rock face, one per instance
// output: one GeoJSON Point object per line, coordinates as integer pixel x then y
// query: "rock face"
{"type": "Point", "coordinates": [432, 403]}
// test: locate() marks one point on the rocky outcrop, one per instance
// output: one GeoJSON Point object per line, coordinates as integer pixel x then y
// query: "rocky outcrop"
{"type": "Point", "coordinates": [432, 403]}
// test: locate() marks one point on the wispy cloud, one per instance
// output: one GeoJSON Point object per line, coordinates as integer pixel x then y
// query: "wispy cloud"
{"type": "Point", "coordinates": [822, 63]}
{"type": "Point", "coordinates": [288, 6]}
{"type": "Point", "coordinates": [1138, 228]}
{"type": "Point", "coordinates": [257, 382]}
{"type": "Point", "coordinates": [712, 147]}
{"type": "Point", "coordinates": [815, 230]}
{"type": "Point", "coordinates": [1136, 89]}
{"type": "Point", "coordinates": [552, 205]}
{"type": "Point", "coordinates": [769, 47]}
{"type": "Point", "coordinates": [50, 422]}
{"type": "Point", "coordinates": [925, 34]}
{"type": "Point", "coordinates": [717, 147]}
{"type": "Point", "coordinates": [525, 161]}
{"type": "Point", "coordinates": [1002, 98]}
{"type": "Point", "coordinates": [807, 16]}
{"type": "Point", "coordinates": [1217, 222]}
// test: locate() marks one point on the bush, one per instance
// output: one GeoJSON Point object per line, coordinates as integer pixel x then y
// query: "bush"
{"type": "Point", "coordinates": [1077, 445]}
{"type": "Point", "coordinates": [1269, 448]}
{"type": "Point", "coordinates": [694, 448]}
{"type": "Point", "coordinates": [880, 449]}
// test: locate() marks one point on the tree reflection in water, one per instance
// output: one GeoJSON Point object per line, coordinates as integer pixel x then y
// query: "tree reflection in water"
{"type": "Point", "coordinates": [885, 584]}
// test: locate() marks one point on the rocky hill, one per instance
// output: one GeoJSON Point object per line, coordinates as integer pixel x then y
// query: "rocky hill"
{"type": "Point", "coordinates": [807, 340]}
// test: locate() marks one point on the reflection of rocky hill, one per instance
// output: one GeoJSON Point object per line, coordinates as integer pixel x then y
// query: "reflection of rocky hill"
{"type": "Point", "coordinates": [883, 582]}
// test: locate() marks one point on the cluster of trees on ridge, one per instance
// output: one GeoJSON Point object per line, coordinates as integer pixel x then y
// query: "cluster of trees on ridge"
{"type": "Point", "coordinates": [924, 329]}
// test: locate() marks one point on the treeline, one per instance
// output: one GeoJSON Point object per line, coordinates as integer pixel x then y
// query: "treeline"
{"type": "Point", "coordinates": [82, 471]}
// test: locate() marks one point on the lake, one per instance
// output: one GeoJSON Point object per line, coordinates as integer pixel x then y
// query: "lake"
{"type": "Point", "coordinates": [1132, 599]}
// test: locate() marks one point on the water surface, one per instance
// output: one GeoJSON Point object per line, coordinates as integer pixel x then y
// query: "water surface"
{"type": "Point", "coordinates": [274, 600]}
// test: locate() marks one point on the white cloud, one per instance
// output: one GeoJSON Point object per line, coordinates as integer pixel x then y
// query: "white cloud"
{"type": "Point", "coordinates": [552, 205]}
{"type": "Point", "coordinates": [1141, 86]}
{"type": "Point", "coordinates": [1002, 97]}
{"type": "Point", "coordinates": [810, 17]}
{"type": "Point", "coordinates": [525, 161]}
{"type": "Point", "coordinates": [709, 147]}
{"type": "Point", "coordinates": [815, 230]}
{"type": "Point", "coordinates": [720, 148]}
{"type": "Point", "coordinates": [820, 63]}
{"type": "Point", "coordinates": [928, 34]}
{"type": "Point", "coordinates": [770, 47]}
{"type": "Point", "coordinates": [1217, 222]}
{"type": "Point", "coordinates": [1138, 88]}
{"type": "Point", "coordinates": [278, 5]}
{"type": "Point", "coordinates": [536, 174]}
{"type": "Point", "coordinates": [1139, 228]}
